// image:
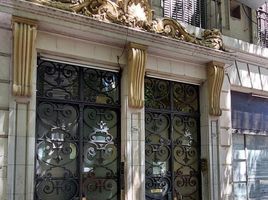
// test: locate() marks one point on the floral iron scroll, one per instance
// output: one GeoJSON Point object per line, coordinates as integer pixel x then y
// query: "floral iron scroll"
{"type": "Point", "coordinates": [136, 14]}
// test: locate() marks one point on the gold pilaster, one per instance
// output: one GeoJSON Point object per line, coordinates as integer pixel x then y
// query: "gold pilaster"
{"type": "Point", "coordinates": [24, 34]}
{"type": "Point", "coordinates": [215, 73]}
{"type": "Point", "coordinates": [137, 55]}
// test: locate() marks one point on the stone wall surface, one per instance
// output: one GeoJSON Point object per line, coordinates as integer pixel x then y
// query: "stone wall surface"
{"type": "Point", "coordinates": [5, 61]}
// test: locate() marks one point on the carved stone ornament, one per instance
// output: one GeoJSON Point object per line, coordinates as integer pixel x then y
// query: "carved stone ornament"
{"type": "Point", "coordinates": [137, 55]}
{"type": "Point", "coordinates": [24, 34]}
{"type": "Point", "coordinates": [215, 74]}
{"type": "Point", "coordinates": [135, 14]}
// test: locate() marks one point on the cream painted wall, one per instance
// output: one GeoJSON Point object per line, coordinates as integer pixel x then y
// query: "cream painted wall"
{"type": "Point", "coordinates": [218, 16]}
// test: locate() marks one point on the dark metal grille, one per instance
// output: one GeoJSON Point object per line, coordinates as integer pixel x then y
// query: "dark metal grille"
{"type": "Point", "coordinates": [172, 140]}
{"type": "Point", "coordinates": [77, 133]}
{"type": "Point", "coordinates": [262, 17]}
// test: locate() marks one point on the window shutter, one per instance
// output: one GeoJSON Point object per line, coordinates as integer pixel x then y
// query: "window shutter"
{"type": "Point", "coordinates": [189, 14]}
{"type": "Point", "coordinates": [167, 8]}
{"type": "Point", "coordinates": [188, 11]}
{"type": "Point", "coordinates": [197, 12]}
{"type": "Point", "coordinates": [178, 10]}
{"type": "Point", "coordinates": [203, 14]}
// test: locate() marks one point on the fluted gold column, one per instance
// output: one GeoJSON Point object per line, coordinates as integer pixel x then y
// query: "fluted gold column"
{"type": "Point", "coordinates": [137, 55]}
{"type": "Point", "coordinates": [215, 73]}
{"type": "Point", "coordinates": [24, 34]}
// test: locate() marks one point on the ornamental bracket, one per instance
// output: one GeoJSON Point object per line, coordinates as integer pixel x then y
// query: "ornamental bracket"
{"type": "Point", "coordinates": [215, 74]}
{"type": "Point", "coordinates": [137, 56]}
{"type": "Point", "coordinates": [24, 35]}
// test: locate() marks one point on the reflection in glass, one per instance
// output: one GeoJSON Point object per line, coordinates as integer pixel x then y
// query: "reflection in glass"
{"type": "Point", "coordinates": [240, 191]}
{"type": "Point", "coordinates": [250, 169]}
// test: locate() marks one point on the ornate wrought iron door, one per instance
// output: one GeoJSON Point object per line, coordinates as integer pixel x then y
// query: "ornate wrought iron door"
{"type": "Point", "coordinates": [77, 133]}
{"type": "Point", "coordinates": [171, 140]}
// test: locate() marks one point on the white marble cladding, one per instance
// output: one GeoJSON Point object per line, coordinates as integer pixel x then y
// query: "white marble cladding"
{"type": "Point", "coordinates": [175, 69]}
{"type": "Point", "coordinates": [248, 76]}
{"type": "Point", "coordinates": [78, 50]}
{"type": "Point", "coordinates": [225, 135]}
{"type": "Point", "coordinates": [97, 53]}
{"type": "Point", "coordinates": [21, 145]}
{"type": "Point", "coordinates": [5, 61]}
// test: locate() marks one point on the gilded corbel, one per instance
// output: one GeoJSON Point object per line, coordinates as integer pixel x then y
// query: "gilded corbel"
{"type": "Point", "coordinates": [215, 73]}
{"type": "Point", "coordinates": [137, 55]}
{"type": "Point", "coordinates": [24, 34]}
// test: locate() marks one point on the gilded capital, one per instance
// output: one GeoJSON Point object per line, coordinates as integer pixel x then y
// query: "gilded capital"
{"type": "Point", "coordinates": [137, 55]}
{"type": "Point", "coordinates": [24, 34]}
{"type": "Point", "coordinates": [215, 74]}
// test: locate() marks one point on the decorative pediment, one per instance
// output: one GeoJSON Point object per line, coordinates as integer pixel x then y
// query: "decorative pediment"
{"type": "Point", "coordinates": [136, 14]}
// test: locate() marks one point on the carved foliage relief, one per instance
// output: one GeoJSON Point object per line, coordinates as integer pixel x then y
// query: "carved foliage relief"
{"type": "Point", "coordinates": [136, 14]}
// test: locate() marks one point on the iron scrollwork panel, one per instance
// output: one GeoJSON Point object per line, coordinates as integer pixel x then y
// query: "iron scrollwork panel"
{"type": "Point", "coordinates": [101, 86]}
{"type": "Point", "coordinates": [185, 154]}
{"type": "Point", "coordinates": [172, 142]}
{"type": "Point", "coordinates": [185, 98]}
{"type": "Point", "coordinates": [57, 151]}
{"type": "Point", "coordinates": [57, 80]}
{"type": "Point", "coordinates": [100, 168]}
{"type": "Point", "coordinates": [157, 94]}
{"type": "Point", "coordinates": [77, 140]}
{"type": "Point", "coordinates": [158, 152]}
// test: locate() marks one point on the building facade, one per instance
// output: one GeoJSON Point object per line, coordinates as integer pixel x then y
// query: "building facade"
{"type": "Point", "coordinates": [107, 99]}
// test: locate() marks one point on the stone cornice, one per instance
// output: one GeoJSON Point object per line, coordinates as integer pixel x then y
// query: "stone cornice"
{"type": "Point", "coordinates": [136, 14]}
{"type": "Point", "coordinates": [69, 24]}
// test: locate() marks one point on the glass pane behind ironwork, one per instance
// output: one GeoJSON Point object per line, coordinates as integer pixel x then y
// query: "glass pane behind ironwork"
{"type": "Point", "coordinates": [172, 144]}
{"type": "Point", "coordinates": [100, 153]}
{"type": "Point", "coordinates": [185, 98]}
{"type": "Point", "coordinates": [63, 81]}
{"type": "Point", "coordinates": [77, 135]}
{"type": "Point", "coordinates": [185, 154]}
{"type": "Point", "coordinates": [157, 94]}
{"type": "Point", "coordinates": [158, 153]}
{"type": "Point", "coordinates": [56, 160]}
{"type": "Point", "coordinates": [100, 86]}
{"type": "Point", "coordinates": [57, 80]}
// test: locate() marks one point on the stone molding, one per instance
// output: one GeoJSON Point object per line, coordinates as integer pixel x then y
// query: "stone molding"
{"type": "Point", "coordinates": [215, 74]}
{"type": "Point", "coordinates": [24, 34]}
{"type": "Point", "coordinates": [137, 55]}
{"type": "Point", "coordinates": [136, 14]}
